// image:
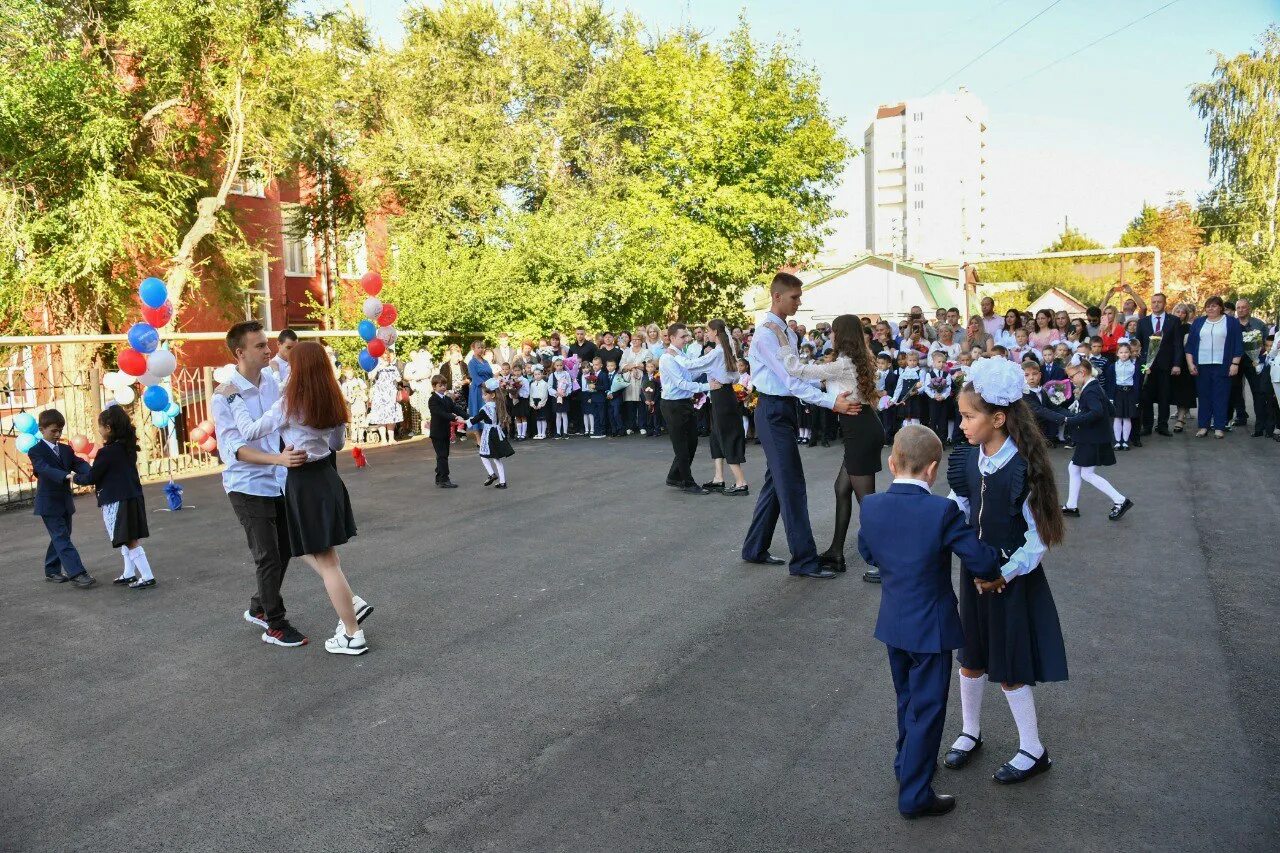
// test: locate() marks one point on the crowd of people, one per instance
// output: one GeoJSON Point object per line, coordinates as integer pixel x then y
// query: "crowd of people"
{"type": "Point", "coordinates": [1002, 391]}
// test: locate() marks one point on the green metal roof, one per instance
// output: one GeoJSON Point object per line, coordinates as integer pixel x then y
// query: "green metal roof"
{"type": "Point", "coordinates": [937, 286]}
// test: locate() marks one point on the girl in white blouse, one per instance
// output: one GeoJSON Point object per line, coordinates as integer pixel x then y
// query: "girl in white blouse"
{"type": "Point", "coordinates": [312, 416]}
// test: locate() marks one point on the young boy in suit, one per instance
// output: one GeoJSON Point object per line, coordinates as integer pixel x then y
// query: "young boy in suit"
{"type": "Point", "coordinates": [54, 465]}
{"type": "Point", "coordinates": [444, 412]}
{"type": "Point", "coordinates": [919, 621]}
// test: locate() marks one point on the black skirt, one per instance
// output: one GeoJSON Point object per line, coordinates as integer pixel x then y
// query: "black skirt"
{"type": "Point", "coordinates": [520, 408]}
{"type": "Point", "coordinates": [131, 522]}
{"type": "Point", "coordinates": [1092, 455]}
{"type": "Point", "coordinates": [1182, 389]}
{"type": "Point", "coordinates": [863, 440]}
{"type": "Point", "coordinates": [496, 446]}
{"type": "Point", "coordinates": [728, 437]}
{"type": "Point", "coordinates": [1126, 402]}
{"type": "Point", "coordinates": [1014, 635]}
{"type": "Point", "coordinates": [918, 407]}
{"type": "Point", "coordinates": [318, 508]}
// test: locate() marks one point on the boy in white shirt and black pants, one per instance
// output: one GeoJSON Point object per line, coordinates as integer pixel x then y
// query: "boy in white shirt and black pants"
{"type": "Point", "coordinates": [254, 481]}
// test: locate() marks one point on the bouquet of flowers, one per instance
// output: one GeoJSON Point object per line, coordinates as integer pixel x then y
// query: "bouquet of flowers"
{"type": "Point", "coordinates": [739, 392]}
{"type": "Point", "coordinates": [939, 384]}
{"type": "Point", "coordinates": [1153, 349]}
{"type": "Point", "coordinates": [699, 400]}
{"type": "Point", "coordinates": [591, 380]}
{"type": "Point", "coordinates": [1058, 391]}
{"type": "Point", "coordinates": [959, 377]}
{"type": "Point", "coordinates": [1252, 344]}
{"type": "Point", "coordinates": [885, 402]}
{"type": "Point", "coordinates": [620, 383]}
{"type": "Point", "coordinates": [571, 366]}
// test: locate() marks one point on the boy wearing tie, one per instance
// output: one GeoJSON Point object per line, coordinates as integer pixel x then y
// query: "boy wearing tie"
{"type": "Point", "coordinates": [54, 464]}
{"type": "Point", "coordinates": [919, 621]}
{"type": "Point", "coordinates": [444, 412]}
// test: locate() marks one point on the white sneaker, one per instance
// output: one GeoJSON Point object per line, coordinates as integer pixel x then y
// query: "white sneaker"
{"type": "Point", "coordinates": [644, 432]}
{"type": "Point", "coordinates": [341, 644]}
{"type": "Point", "coordinates": [363, 609]}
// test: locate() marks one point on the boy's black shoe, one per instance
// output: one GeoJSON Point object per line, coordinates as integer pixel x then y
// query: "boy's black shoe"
{"type": "Point", "coordinates": [84, 580]}
{"type": "Point", "coordinates": [56, 578]}
{"type": "Point", "coordinates": [447, 484]}
{"type": "Point", "coordinates": [1119, 510]}
{"type": "Point", "coordinates": [286, 635]}
{"type": "Point", "coordinates": [1137, 442]}
{"type": "Point", "coordinates": [942, 804]}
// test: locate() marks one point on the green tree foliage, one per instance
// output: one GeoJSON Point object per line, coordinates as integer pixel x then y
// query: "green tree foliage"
{"type": "Point", "coordinates": [1042, 274]}
{"type": "Point", "coordinates": [552, 165]}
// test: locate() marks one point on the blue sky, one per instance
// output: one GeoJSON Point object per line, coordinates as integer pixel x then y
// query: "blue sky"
{"type": "Point", "coordinates": [1090, 138]}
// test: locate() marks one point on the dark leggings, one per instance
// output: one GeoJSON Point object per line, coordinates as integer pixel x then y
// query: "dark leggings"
{"type": "Point", "coordinates": [847, 486]}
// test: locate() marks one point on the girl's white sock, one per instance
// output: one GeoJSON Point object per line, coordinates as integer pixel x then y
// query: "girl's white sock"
{"type": "Point", "coordinates": [1023, 706]}
{"type": "Point", "coordinates": [1127, 426]}
{"type": "Point", "coordinates": [970, 709]}
{"type": "Point", "coordinates": [502, 470]}
{"type": "Point", "coordinates": [488, 466]}
{"type": "Point", "coordinates": [129, 569]}
{"type": "Point", "coordinates": [1116, 429]}
{"type": "Point", "coordinates": [1073, 485]}
{"type": "Point", "coordinates": [589, 424]}
{"type": "Point", "coordinates": [139, 558]}
{"type": "Point", "coordinates": [1090, 476]}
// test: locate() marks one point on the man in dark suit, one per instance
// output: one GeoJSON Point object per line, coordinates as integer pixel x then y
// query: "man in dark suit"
{"type": "Point", "coordinates": [1157, 387]}
{"type": "Point", "coordinates": [54, 465]}
{"type": "Point", "coordinates": [919, 621]}
{"type": "Point", "coordinates": [444, 410]}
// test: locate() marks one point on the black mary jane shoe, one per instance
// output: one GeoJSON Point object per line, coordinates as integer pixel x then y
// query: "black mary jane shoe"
{"type": "Point", "coordinates": [942, 804]}
{"type": "Point", "coordinates": [143, 584]}
{"type": "Point", "coordinates": [1118, 511]}
{"type": "Point", "coordinates": [492, 479]}
{"type": "Point", "coordinates": [501, 486]}
{"type": "Point", "coordinates": [1010, 775]}
{"type": "Point", "coordinates": [1073, 512]}
{"type": "Point", "coordinates": [958, 758]}
{"type": "Point", "coordinates": [713, 486]}
{"type": "Point", "coordinates": [737, 491]}
{"type": "Point", "coordinates": [767, 560]}
{"type": "Point", "coordinates": [835, 564]}
{"type": "Point", "coordinates": [124, 581]}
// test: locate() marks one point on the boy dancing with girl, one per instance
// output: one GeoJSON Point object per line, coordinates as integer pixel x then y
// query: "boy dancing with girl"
{"type": "Point", "coordinates": [919, 621]}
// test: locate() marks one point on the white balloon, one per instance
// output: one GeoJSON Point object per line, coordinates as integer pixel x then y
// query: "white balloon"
{"type": "Point", "coordinates": [161, 363]}
{"type": "Point", "coordinates": [125, 395]}
{"type": "Point", "coordinates": [113, 379]}
{"type": "Point", "coordinates": [372, 308]}
{"type": "Point", "coordinates": [146, 380]}
{"type": "Point", "coordinates": [387, 334]}
{"type": "Point", "coordinates": [223, 374]}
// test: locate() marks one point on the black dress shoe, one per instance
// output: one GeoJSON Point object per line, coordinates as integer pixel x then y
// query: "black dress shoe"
{"type": "Point", "coordinates": [1119, 510]}
{"type": "Point", "coordinates": [1074, 512]}
{"type": "Point", "coordinates": [447, 484]}
{"type": "Point", "coordinates": [1010, 775]}
{"type": "Point", "coordinates": [501, 486]}
{"type": "Point", "coordinates": [713, 486]}
{"type": "Point", "coordinates": [835, 564]}
{"type": "Point", "coordinates": [695, 489]}
{"type": "Point", "coordinates": [124, 581]}
{"type": "Point", "coordinates": [871, 576]}
{"type": "Point", "coordinates": [674, 484]}
{"type": "Point", "coordinates": [1137, 442]}
{"type": "Point", "coordinates": [767, 560]}
{"type": "Point", "coordinates": [1165, 432]}
{"type": "Point", "coordinates": [493, 478]}
{"type": "Point", "coordinates": [737, 491]}
{"type": "Point", "coordinates": [56, 578]}
{"type": "Point", "coordinates": [84, 580]}
{"type": "Point", "coordinates": [817, 574]}
{"type": "Point", "coordinates": [957, 758]}
{"type": "Point", "coordinates": [942, 804]}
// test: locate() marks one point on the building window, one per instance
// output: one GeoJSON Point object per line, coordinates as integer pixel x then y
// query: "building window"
{"type": "Point", "coordinates": [257, 301]}
{"type": "Point", "coordinates": [19, 390]}
{"type": "Point", "coordinates": [250, 181]}
{"type": "Point", "coordinates": [355, 256]}
{"type": "Point", "coordinates": [299, 251]}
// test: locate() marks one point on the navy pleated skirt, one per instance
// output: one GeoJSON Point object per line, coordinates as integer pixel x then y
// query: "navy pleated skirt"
{"type": "Point", "coordinates": [1013, 635]}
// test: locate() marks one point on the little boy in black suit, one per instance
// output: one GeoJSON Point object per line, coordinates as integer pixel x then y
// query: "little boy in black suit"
{"type": "Point", "coordinates": [443, 410]}
{"type": "Point", "coordinates": [919, 621]}
{"type": "Point", "coordinates": [54, 465]}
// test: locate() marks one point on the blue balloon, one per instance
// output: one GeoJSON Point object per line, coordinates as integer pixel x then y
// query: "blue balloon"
{"type": "Point", "coordinates": [25, 424]}
{"type": "Point", "coordinates": [367, 330]}
{"type": "Point", "coordinates": [143, 337]}
{"type": "Point", "coordinates": [156, 398]}
{"type": "Point", "coordinates": [26, 441]}
{"type": "Point", "coordinates": [160, 419]}
{"type": "Point", "coordinates": [367, 361]}
{"type": "Point", "coordinates": [173, 411]}
{"type": "Point", "coordinates": [153, 292]}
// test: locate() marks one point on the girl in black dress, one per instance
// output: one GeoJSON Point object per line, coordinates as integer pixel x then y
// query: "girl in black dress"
{"type": "Point", "coordinates": [728, 436]}
{"type": "Point", "coordinates": [114, 476]}
{"type": "Point", "coordinates": [1090, 427]}
{"type": "Point", "coordinates": [494, 446]}
{"type": "Point", "coordinates": [1003, 480]}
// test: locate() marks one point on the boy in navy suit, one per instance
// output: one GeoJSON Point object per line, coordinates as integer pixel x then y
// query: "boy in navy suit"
{"type": "Point", "coordinates": [919, 621]}
{"type": "Point", "coordinates": [54, 465]}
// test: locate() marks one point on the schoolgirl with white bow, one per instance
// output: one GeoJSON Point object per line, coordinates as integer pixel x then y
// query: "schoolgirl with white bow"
{"type": "Point", "coordinates": [1003, 481]}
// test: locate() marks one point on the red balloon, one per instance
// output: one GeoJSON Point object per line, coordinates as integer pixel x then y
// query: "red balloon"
{"type": "Point", "coordinates": [372, 283]}
{"type": "Point", "coordinates": [209, 445]}
{"type": "Point", "coordinates": [132, 362]}
{"type": "Point", "coordinates": [199, 434]}
{"type": "Point", "coordinates": [158, 317]}
{"type": "Point", "coordinates": [388, 315]}
{"type": "Point", "coordinates": [207, 426]}
{"type": "Point", "coordinates": [376, 347]}
{"type": "Point", "coordinates": [80, 444]}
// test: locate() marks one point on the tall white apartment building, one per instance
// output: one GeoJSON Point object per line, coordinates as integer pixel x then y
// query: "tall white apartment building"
{"type": "Point", "coordinates": [925, 195]}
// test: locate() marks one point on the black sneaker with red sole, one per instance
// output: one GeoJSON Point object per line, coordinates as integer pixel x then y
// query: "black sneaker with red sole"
{"type": "Point", "coordinates": [288, 636]}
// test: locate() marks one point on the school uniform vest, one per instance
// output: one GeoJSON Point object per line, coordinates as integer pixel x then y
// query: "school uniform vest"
{"type": "Point", "coordinates": [995, 500]}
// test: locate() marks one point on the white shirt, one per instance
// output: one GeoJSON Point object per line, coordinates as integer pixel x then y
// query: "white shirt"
{"type": "Point", "coordinates": [910, 482]}
{"type": "Point", "coordinates": [280, 368]}
{"type": "Point", "coordinates": [1157, 324]}
{"type": "Point", "coordinates": [675, 372]}
{"type": "Point", "coordinates": [769, 375]}
{"type": "Point", "coordinates": [1213, 341]}
{"type": "Point", "coordinates": [248, 478]}
{"type": "Point", "coordinates": [840, 375]}
{"type": "Point", "coordinates": [1027, 558]}
{"type": "Point", "coordinates": [717, 371]}
{"type": "Point", "coordinates": [952, 350]}
{"type": "Point", "coordinates": [318, 443]}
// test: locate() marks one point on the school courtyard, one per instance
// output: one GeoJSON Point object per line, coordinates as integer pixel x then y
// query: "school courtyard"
{"type": "Point", "coordinates": [582, 663]}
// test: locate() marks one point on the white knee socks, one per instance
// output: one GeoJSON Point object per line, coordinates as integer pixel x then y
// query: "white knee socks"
{"type": "Point", "coordinates": [542, 428]}
{"type": "Point", "coordinates": [562, 423]}
{"type": "Point", "coordinates": [589, 424]}
{"type": "Point", "coordinates": [129, 569]}
{"type": "Point", "coordinates": [1121, 428]}
{"type": "Point", "coordinates": [1116, 429]}
{"type": "Point", "coordinates": [1023, 706]}
{"type": "Point", "coordinates": [970, 709]}
{"type": "Point", "coordinates": [502, 470]}
{"type": "Point", "coordinates": [139, 559]}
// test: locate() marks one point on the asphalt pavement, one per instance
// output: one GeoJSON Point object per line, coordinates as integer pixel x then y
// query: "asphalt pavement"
{"type": "Point", "coordinates": [582, 663]}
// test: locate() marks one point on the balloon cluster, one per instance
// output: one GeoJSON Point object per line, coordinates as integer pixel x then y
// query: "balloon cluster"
{"type": "Point", "coordinates": [203, 437]}
{"type": "Point", "coordinates": [378, 328]}
{"type": "Point", "coordinates": [28, 432]}
{"type": "Point", "coordinates": [143, 360]}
